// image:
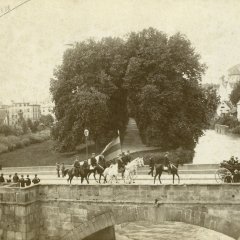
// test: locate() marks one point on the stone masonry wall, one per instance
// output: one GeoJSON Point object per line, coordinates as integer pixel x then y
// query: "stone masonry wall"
{"type": "Point", "coordinates": [51, 211]}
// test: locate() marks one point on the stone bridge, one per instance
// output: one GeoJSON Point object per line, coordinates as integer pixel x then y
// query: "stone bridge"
{"type": "Point", "coordinates": [86, 211]}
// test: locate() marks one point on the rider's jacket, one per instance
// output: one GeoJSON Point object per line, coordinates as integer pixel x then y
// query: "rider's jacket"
{"type": "Point", "coordinates": [93, 161]}
{"type": "Point", "coordinates": [85, 165]}
{"type": "Point", "coordinates": [76, 164]}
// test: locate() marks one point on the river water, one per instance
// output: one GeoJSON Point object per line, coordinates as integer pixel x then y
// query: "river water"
{"type": "Point", "coordinates": [214, 147]}
{"type": "Point", "coordinates": [211, 148]}
{"type": "Point", "coordinates": [165, 231]}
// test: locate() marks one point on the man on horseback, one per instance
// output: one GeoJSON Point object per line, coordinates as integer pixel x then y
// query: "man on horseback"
{"type": "Point", "coordinates": [76, 167]}
{"type": "Point", "coordinates": [93, 161]}
{"type": "Point", "coordinates": [167, 162]}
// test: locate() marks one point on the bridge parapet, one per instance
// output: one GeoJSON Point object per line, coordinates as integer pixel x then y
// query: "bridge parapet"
{"type": "Point", "coordinates": [52, 211]}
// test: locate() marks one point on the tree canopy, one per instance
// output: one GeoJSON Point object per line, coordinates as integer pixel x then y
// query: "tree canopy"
{"type": "Point", "coordinates": [149, 76]}
{"type": "Point", "coordinates": [235, 94]}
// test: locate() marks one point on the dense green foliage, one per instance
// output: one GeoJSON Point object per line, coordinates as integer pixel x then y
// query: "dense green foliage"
{"type": "Point", "coordinates": [235, 94]}
{"type": "Point", "coordinates": [47, 120]}
{"type": "Point", "coordinates": [149, 76]}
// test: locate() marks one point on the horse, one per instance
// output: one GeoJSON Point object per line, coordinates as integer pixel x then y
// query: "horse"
{"type": "Point", "coordinates": [131, 169]}
{"type": "Point", "coordinates": [83, 173]}
{"type": "Point", "coordinates": [99, 168]}
{"type": "Point", "coordinates": [112, 172]}
{"type": "Point", "coordinates": [161, 168]}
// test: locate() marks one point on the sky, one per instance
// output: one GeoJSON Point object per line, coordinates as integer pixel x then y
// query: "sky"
{"type": "Point", "coordinates": [33, 37]}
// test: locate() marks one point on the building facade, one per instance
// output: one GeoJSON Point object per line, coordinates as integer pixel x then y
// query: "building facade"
{"type": "Point", "coordinates": [24, 109]}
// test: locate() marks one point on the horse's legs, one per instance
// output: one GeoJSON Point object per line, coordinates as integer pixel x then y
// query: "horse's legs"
{"type": "Point", "coordinates": [178, 178]}
{"type": "Point", "coordinates": [159, 178]}
{"type": "Point", "coordinates": [82, 178]}
{"type": "Point", "coordinates": [173, 177]}
{"type": "Point", "coordinates": [155, 176]}
{"type": "Point", "coordinates": [100, 175]}
{"type": "Point", "coordinates": [94, 173]}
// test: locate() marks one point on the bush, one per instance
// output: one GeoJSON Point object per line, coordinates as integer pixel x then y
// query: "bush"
{"type": "Point", "coordinates": [3, 148]}
{"type": "Point", "coordinates": [7, 130]}
{"type": "Point", "coordinates": [6, 142]}
{"type": "Point", "coordinates": [15, 141]}
{"type": "Point", "coordinates": [26, 141]}
{"type": "Point", "coordinates": [236, 130]}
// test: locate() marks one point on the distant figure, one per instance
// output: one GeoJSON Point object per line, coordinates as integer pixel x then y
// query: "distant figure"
{"type": "Point", "coordinates": [231, 161]}
{"type": "Point", "coordinates": [2, 178]}
{"type": "Point", "coordinates": [58, 169]}
{"type": "Point", "coordinates": [63, 169]}
{"type": "Point", "coordinates": [22, 181]}
{"type": "Point", "coordinates": [9, 180]}
{"type": "Point", "coordinates": [15, 178]}
{"type": "Point", "coordinates": [151, 166]}
{"type": "Point", "coordinates": [36, 179]}
{"type": "Point", "coordinates": [28, 181]}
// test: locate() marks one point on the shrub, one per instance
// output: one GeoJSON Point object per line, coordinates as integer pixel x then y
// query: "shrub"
{"type": "Point", "coordinates": [26, 141]}
{"type": "Point", "coordinates": [3, 148]}
{"type": "Point", "coordinates": [236, 130]}
{"type": "Point", "coordinates": [15, 141]}
{"type": "Point", "coordinates": [6, 142]}
{"type": "Point", "coordinates": [7, 130]}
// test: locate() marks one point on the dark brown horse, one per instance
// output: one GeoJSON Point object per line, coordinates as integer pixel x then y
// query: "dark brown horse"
{"type": "Point", "coordinates": [82, 172]}
{"type": "Point", "coordinates": [99, 169]}
{"type": "Point", "coordinates": [160, 168]}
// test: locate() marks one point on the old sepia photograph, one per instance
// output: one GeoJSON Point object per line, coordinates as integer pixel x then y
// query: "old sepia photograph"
{"type": "Point", "coordinates": [119, 119]}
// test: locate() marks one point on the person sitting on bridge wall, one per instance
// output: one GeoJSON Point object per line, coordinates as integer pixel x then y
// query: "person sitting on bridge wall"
{"type": "Point", "coordinates": [36, 180]}
{"type": "Point", "coordinates": [2, 180]}
{"type": "Point", "coordinates": [15, 178]}
{"type": "Point", "coordinates": [22, 181]}
{"type": "Point", "coordinates": [28, 181]}
{"type": "Point", "coordinates": [9, 180]}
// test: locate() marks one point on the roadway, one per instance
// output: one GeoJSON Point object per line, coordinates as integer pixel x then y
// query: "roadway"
{"type": "Point", "coordinates": [189, 174]}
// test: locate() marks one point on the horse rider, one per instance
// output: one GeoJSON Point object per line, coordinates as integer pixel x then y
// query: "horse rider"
{"type": "Point", "coordinates": [151, 166]}
{"type": "Point", "coordinates": [85, 166]}
{"type": "Point", "coordinates": [93, 161]}
{"type": "Point", "coordinates": [167, 162]}
{"type": "Point", "coordinates": [76, 167]}
{"type": "Point", "coordinates": [129, 158]}
{"type": "Point", "coordinates": [121, 164]}
{"type": "Point", "coordinates": [102, 162]}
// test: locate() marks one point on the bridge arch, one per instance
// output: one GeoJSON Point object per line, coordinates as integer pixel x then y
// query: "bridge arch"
{"type": "Point", "coordinates": [156, 214]}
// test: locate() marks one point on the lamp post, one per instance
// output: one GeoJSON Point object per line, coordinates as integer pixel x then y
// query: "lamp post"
{"type": "Point", "coordinates": [86, 133]}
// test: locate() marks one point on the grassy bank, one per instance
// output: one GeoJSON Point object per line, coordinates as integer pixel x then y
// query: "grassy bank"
{"type": "Point", "coordinates": [11, 143]}
{"type": "Point", "coordinates": [39, 154]}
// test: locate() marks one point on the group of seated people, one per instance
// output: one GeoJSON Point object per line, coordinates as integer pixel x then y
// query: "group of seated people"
{"type": "Point", "coordinates": [232, 161]}
{"type": "Point", "coordinates": [21, 180]}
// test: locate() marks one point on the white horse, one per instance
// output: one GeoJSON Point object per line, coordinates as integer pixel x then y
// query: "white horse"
{"type": "Point", "coordinates": [130, 173]}
{"type": "Point", "coordinates": [111, 172]}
